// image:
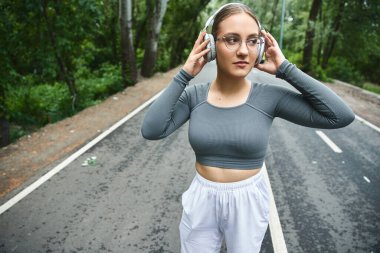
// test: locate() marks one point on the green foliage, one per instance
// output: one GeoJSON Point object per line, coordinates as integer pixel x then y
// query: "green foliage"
{"type": "Point", "coordinates": [180, 29]}
{"type": "Point", "coordinates": [294, 57]}
{"type": "Point", "coordinates": [139, 56]}
{"type": "Point", "coordinates": [104, 82]}
{"type": "Point", "coordinates": [17, 132]}
{"type": "Point", "coordinates": [37, 105]}
{"type": "Point", "coordinates": [341, 69]}
{"type": "Point", "coordinates": [163, 61]}
{"type": "Point", "coordinates": [372, 87]}
{"type": "Point", "coordinates": [319, 73]}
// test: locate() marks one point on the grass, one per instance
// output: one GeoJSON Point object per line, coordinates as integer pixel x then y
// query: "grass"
{"type": "Point", "coordinates": [372, 87]}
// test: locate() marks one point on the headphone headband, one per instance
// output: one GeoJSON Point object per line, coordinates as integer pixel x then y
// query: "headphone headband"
{"type": "Point", "coordinates": [210, 20]}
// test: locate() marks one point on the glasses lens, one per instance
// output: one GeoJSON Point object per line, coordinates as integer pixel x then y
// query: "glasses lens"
{"type": "Point", "coordinates": [233, 42]}
{"type": "Point", "coordinates": [252, 42]}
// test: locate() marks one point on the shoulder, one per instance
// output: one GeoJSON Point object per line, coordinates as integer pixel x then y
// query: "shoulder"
{"type": "Point", "coordinates": [265, 97]}
{"type": "Point", "coordinates": [197, 87]}
{"type": "Point", "coordinates": [264, 92]}
{"type": "Point", "coordinates": [195, 94]}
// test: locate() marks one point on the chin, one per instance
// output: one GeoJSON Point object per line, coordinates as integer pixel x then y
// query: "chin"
{"type": "Point", "coordinates": [235, 72]}
{"type": "Point", "coordinates": [240, 72]}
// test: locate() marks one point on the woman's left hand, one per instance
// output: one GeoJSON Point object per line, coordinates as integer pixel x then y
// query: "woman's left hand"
{"type": "Point", "coordinates": [273, 55]}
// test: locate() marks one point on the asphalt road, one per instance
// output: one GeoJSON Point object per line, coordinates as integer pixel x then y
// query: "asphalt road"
{"type": "Point", "coordinates": [129, 201]}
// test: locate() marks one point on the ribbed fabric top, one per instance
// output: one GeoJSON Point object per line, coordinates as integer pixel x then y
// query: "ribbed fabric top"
{"type": "Point", "coordinates": [237, 137]}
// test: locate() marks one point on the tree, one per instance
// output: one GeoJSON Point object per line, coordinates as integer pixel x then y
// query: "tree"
{"type": "Point", "coordinates": [177, 40]}
{"type": "Point", "coordinates": [156, 11]}
{"type": "Point", "coordinates": [274, 11]}
{"type": "Point", "coordinates": [309, 36]}
{"type": "Point", "coordinates": [332, 35]}
{"type": "Point", "coordinates": [64, 71]}
{"type": "Point", "coordinates": [128, 59]}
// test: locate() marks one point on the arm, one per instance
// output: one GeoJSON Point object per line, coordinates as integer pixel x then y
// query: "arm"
{"type": "Point", "coordinates": [172, 108]}
{"type": "Point", "coordinates": [169, 111]}
{"type": "Point", "coordinates": [317, 106]}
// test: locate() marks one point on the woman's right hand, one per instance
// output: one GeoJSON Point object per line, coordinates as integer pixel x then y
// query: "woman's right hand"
{"type": "Point", "coordinates": [196, 60]}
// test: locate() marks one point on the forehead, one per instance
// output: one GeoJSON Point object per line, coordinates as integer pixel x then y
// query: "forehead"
{"type": "Point", "coordinates": [240, 23]}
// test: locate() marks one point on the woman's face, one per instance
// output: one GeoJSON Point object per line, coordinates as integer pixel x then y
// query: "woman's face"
{"type": "Point", "coordinates": [236, 62]}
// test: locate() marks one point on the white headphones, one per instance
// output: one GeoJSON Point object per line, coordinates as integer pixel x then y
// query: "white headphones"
{"type": "Point", "coordinates": [211, 55]}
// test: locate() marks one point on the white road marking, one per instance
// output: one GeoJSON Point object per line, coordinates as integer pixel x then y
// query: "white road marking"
{"type": "Point", "coordinates": [329, 142]}
{"type": "Point", "coordinates": [278, 240]}
{"type": "Point", "coordinates": [71, 158]}
{"type": "Point", "coordinates": [367, 179]}
{"type": "Point", "coordinates": [368, 123]}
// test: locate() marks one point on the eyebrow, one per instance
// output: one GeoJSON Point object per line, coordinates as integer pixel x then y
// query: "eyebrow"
{"type": "Point", "coordinates": [236, 34]}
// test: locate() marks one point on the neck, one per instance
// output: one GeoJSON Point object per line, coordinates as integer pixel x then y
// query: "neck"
{"type": "Point", "coordinates": [229, 84]}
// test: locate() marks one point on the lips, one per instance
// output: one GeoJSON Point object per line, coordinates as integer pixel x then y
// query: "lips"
{"type": "Point", "coordinates": [241, 63]}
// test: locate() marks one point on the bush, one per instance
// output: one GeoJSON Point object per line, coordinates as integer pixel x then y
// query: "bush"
{"type": "Point", "coordinates": [38, 105]}
{"type": "Point", "coordinates": [341, 69]}
{"type": "Point", "coordinates": [295, 58]}
{"type": "Point", "coordinates": [372, 87]}
{"type": "Point", "coordinates": [163, 61]}
{"type": "Point", "coordinates": [319, 73]}
{"type": "Point", "coordinates": [105, 82]}
{"type": "Point", "coordinates": [31, 106]}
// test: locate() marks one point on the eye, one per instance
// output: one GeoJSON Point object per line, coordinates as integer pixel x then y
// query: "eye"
{"type": "Point", "coordinates": [252, 41]}
{"type": "Point", "coordinates": [232, 40]}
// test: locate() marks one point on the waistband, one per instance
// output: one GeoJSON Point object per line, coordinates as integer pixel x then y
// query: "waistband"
{"type": "Point", "coordinates": [230, 186]}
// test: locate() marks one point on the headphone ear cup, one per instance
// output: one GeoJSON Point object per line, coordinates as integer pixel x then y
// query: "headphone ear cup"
{"type": "Point", "coordinates": [211, 55]}
{"type": "Point", "coordinates": [260, 51]}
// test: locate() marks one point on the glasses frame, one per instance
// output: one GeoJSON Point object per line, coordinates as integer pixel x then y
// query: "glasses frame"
{"type": "Point", "coordinates": [240, 42]}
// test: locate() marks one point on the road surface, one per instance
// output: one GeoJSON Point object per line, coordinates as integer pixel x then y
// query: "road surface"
{"type": "Point", "coordinates": [129, 201]}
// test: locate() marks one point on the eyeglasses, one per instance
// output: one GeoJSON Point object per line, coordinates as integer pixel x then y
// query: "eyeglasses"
{"type": "Point", "coordinates": [233, 42]}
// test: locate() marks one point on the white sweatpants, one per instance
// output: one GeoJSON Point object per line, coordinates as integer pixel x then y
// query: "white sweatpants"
{"type": "Point", "coordinates": [237, 212]}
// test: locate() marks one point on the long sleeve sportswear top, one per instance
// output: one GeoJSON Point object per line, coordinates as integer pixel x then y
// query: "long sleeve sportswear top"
{"type": "Point", "coordinates": [237, 137]}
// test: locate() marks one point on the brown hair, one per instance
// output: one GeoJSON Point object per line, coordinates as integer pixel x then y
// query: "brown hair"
{"type": "Point", "coordinates": [230, 10]}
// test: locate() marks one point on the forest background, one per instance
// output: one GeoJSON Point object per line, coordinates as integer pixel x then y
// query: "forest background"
{"type": "Point", "coordinates": [61, 56]}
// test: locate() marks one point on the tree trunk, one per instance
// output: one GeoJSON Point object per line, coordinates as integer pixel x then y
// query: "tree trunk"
{"type": "Point", "coordinates": [128, 59]}
{"type": "Point", "coordinates": [61, 63]}
{"type": "Point", "coordinates": [4, 133]}
{"type": "Point", "coordinates": [331, 41]}
{"type": "Point", "coordinates": [156, 11]}
{"type": "Point", "coordinates": [309, 36]}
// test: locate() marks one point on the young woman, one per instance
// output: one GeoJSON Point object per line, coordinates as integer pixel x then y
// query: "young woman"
{"type": "Point", "coordinates": [230, 119]}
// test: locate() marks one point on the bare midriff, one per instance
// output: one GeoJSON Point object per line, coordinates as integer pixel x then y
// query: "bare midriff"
{"type": "Point", "coordinates": [224, 175]}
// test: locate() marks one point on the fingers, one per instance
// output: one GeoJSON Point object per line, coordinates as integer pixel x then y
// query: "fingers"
{"type": "Point", "coordinates": [202, 53]}
{"type": "Point", "coordinates": [199, 39]}
{"type": "Point", "coordinates": [270, 40]}
{"type": "Point", "coordinates": [196, 59]}
{"type": "Point", "coordinates": [201, 46]}
{"type": "Point", "coordinates": [274, 41]}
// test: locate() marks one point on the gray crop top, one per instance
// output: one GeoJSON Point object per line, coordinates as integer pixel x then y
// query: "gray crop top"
{"type": "Point", "coordinates": [237, 137]}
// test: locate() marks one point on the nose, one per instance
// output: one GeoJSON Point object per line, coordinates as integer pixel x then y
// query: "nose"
{"type": "Point", "coordinates": [243, 49]}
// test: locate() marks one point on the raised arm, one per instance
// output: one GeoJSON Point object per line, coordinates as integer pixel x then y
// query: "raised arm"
{"type": "Point", "coordinates": [317, 106]}
{"type": "Point", "coordinates": [169, 111]}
